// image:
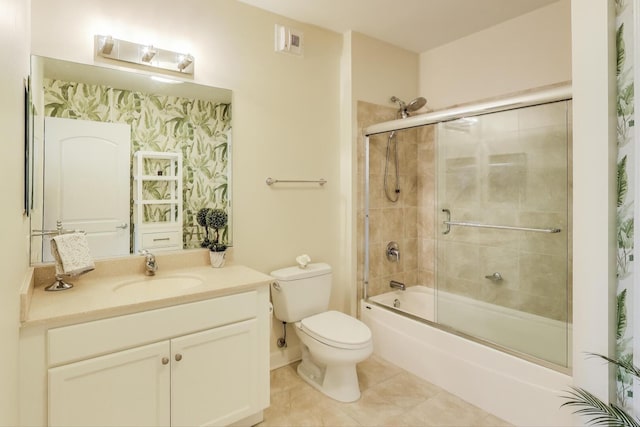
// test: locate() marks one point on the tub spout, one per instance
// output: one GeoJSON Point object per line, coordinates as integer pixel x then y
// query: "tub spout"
{"type": "Point", "coordinates": [397, 285]}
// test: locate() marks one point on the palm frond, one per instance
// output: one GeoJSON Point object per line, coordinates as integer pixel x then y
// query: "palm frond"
{"type": "Point", "coordinates": [623, 185]}
{"type": "Point", "coordinates": [620, 49]}
{"type": "Point", "coordinates": [625, 233]}
{"type": "Point", "coordinates": [623, 363]}
{"type": "Point", "coordinates": [621, 310]}
{"type": "Point", "coordinates": [598, 412]}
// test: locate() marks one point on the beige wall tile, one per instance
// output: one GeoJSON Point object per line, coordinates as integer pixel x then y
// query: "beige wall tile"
{"type": "Point", "coordinates": [410, 222]}
{"type": "Point", "coordinates": [392, 227]}
{"type": "Point", "coordinates": [489, 176]}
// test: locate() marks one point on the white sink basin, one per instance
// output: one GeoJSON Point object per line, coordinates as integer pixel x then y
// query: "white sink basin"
{"type": "Point", "coordinates": [159, 284]}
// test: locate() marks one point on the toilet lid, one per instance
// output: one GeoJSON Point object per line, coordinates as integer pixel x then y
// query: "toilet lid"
{"type": "Point", "coordinates": [337, 329]}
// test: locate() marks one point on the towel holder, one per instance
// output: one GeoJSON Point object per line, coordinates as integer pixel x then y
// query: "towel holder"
{"type": "Point", "coordinates": [57, 232]}
{"type": "Point", "coordinates": [59, 284]}
{"type": "Point", "coordinates": [271, 181]}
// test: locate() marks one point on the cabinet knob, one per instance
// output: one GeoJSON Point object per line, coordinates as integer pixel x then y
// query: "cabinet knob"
{"type": "Point", "coordinates": [165, 360]}
{"type": "Point", "coordinates": [178, 357]}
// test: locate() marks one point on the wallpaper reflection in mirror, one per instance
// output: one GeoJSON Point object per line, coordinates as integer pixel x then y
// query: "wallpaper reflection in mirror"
{"type": "Point", "coordinates": [200, 129]}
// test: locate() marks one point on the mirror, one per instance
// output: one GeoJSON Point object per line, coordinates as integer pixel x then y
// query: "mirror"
{"type": "Point", "coordinates": [180, 130]}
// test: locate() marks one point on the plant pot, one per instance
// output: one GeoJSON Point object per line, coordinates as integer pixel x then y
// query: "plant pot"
{"type": "Point", "coordinates": [217, 258]}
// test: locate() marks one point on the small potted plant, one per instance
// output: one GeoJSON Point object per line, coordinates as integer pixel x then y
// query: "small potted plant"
{"type": "Point", "coordinates": [217, 219]}
{"type": "Point", "coordinates": [201, 217]}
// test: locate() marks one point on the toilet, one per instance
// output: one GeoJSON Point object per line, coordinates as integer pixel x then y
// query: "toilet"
{"type": "Point", "coordinates": [332, 342]}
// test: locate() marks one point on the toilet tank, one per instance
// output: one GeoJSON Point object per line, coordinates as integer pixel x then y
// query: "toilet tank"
{"type": "Point", "coordinates": [300, 292]}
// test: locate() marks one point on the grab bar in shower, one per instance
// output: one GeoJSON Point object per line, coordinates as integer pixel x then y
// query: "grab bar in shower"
{"type": "Point", "coordinates": [449, 223]}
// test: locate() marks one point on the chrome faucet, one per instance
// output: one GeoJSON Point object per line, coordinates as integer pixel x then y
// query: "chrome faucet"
{"type": "Point", "coordinates": [150, 264]}
{"type": "Point", "coordinates": [397, 285]}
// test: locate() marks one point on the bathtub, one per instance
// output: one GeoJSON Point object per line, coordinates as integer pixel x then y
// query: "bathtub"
{"type": "Point", "coordinates": [521, 392]}
{"type": "Point", "coordinates": [538, 336]}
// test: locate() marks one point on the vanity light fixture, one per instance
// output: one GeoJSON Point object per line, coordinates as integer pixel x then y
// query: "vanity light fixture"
{"type": "Point", "coordinates": [106, 46]}
{"type": "Point", "coordinates": [184, 62]}
{"type": "Point", "coordinates": [147, 54]}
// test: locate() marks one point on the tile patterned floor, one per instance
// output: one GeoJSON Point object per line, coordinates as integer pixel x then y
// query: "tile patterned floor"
{"type": "Point", "coordinates": [390, 397]}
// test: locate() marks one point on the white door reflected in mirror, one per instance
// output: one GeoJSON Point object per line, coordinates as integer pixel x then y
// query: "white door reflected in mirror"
{"type": "Point", "coordinates": [86, 183]}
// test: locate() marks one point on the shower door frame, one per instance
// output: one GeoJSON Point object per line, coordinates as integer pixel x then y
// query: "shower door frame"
{"type": "Point", "coordinates": [561, 92]}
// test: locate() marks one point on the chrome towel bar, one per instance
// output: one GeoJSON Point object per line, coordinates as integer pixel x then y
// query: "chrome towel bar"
{"type": "Point", "coordinates": [271, 181]}
{"type": "Point", "coordinates": [449, 223]}
{"type": "Point", "coordinates": [57, 232]}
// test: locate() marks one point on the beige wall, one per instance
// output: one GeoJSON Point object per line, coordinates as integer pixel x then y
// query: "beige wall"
{"type": "Point", "coordinates": [526, 52]}
{"type": "Point", "coordinates": [381, 70]}
{"type": "Point", "coordinates": [14, 44]}
{"type": "Point", "coordinates": [594, 192]}
{"type": "Point", "coordinates": [284, 107]}
{"type": "Point", "coordinates": [286, 113]}
{"type": "Point", "coordinates": [376, 71]}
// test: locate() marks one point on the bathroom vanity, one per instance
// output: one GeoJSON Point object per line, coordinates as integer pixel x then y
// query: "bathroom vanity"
{"type": "Point", "coordinates": [188, 346]}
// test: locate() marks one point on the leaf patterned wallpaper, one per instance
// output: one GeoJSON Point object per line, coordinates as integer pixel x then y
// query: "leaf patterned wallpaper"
{"type": "Point", "coordinates": [200, 129]}
{"type": "Point", "coordinates": [626, 202]}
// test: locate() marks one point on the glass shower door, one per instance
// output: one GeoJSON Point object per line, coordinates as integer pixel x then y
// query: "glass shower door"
{"type": "Point", "coordinates": [502, 230]}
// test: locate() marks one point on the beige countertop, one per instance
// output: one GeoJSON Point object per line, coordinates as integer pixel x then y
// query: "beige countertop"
{"type": "Point", "coordinates": [119, 286]}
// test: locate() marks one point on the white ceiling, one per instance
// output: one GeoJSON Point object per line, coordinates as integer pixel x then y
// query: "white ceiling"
{"type": "Point", "coordinates": [416, 25]}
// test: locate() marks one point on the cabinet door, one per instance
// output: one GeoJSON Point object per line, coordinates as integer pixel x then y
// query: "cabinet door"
{"type": "Point", "coordinates": [127, 388]}
{"type": "Point", "coordinates": [213, 375]}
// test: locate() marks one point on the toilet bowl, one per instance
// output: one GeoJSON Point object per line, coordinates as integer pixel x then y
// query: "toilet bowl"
{"type": "Point", "coordinates": [332, 342]}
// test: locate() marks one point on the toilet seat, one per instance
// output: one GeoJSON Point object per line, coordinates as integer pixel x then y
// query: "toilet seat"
{"type": "Point", "coordinates": [337, 329]}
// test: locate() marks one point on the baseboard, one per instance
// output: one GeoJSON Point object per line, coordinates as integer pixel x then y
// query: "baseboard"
{"type": "Point", "coordinates": [249, 421]}
{"type": "Point", "coordinates": [285, 356]}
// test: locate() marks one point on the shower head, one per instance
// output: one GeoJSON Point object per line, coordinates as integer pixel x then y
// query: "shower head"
{"type": "Point", "coordinates": [414, 105]}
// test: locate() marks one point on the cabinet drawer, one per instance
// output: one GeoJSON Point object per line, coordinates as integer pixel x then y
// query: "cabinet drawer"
{"type": "Point", "coordinates": [84, 340]}
{"type": "Point", "coordinates": [163, 239]}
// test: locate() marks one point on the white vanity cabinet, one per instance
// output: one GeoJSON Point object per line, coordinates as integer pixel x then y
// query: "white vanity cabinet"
{"type": "Point", "coordinates": [130, 387]}
{"type": "Point", "coordinates": [213, 374]}
{"type": "Point", "coordinates": [194, 364]}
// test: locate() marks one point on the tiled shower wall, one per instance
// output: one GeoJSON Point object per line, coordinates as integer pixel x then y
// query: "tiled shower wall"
{"type": "Point", "coordinates": [539, 288]}
{"type": "Point", "coordinates": [507, 168]}
{"type": "Point", "coordinates": [409, 221]}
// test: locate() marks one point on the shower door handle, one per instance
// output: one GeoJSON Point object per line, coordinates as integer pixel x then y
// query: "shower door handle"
{"type": "Point", "coordinates": [447, 222]}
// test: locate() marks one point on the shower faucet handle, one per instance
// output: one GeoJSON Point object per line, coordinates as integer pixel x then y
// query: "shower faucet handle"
{"type": "Point", "coordinates": [393, 252]}
{"type": "Point", "coordinates": [495, 277]}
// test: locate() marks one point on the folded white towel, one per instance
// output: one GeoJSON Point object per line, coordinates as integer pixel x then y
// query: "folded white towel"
{"type": "Point", "coordinates": [71, 253]}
